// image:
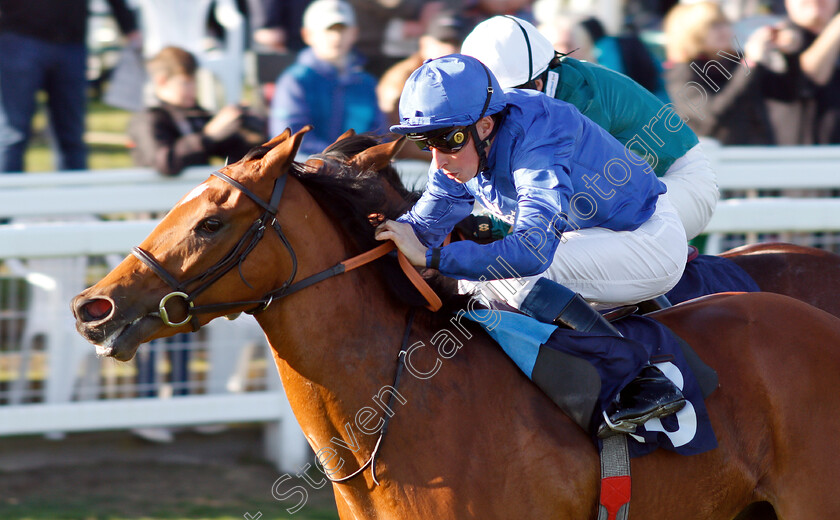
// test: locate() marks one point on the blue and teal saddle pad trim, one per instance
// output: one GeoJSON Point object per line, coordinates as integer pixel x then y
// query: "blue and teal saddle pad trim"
{"type": "Point", "coordinates": [549, 355]}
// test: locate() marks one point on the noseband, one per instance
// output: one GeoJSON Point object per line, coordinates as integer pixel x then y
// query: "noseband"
{"type": "Point", "coordinates": [240, 251]}
{"type": "Point", "coordinates": [233, 258]}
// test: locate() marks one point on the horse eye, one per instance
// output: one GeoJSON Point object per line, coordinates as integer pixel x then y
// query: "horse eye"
{"type": "Point", "coordinates": [209, 225]}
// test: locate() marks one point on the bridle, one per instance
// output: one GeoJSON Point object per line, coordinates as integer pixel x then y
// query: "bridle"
{"type": "Point", "coordinates": [188, 290]}
{"type": "Point", "coordinates": [237, 255]}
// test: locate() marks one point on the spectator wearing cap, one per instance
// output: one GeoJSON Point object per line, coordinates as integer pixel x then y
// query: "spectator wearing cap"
{"type": "Point", "coordinates": [326, 87]}
{"type": "Point", "coordinates": [443, 36]}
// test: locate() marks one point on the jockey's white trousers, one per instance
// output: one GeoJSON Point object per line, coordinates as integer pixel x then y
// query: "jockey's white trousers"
{"type": "Point", "coordinates": [608, 268]}
{"type": "Point", "coordinates": [693, 190]}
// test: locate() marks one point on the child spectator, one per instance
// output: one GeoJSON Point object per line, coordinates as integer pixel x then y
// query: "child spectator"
{"type": "Point", "coordinates": [326, 87]}
{"type": "Point", "coordinates": [177, 132]}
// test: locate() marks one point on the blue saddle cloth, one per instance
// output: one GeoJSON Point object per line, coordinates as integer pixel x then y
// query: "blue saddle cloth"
{"type": "Point", "coordinates": [617, 361]}
{"type": "Point", "coordinates": [707, 274]}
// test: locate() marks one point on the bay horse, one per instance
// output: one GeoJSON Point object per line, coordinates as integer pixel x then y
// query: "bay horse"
{"type": "Point", "coordinates": [470, 436]}
{"type": "Point", "coordinates": [806, 273]}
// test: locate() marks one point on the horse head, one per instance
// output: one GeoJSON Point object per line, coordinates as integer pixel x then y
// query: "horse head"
{"type": "Point", "coordinates": [207, 250]}
{"type": "Point", "coordinates": [208, 257]}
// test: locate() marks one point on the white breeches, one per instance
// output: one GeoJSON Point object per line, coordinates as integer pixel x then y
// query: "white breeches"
{"type": "Point", "coordinates": [608, 268]}
{"type": "Point", "coordinates": [693, 190]}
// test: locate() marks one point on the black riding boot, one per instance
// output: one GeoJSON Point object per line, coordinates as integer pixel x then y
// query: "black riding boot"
{"type": "Point", "coordinates": [649, 395]}
{"type": "Point", "coordinates": [579, 315]}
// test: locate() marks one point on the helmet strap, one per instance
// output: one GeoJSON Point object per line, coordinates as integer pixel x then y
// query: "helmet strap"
{"type": "Point", "coordinates": [481, 145]}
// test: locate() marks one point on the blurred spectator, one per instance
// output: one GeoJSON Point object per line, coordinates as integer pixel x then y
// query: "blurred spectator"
{"type": "Point", "coordinates": [713, 89]}
{"type": "Point", "coordinates": [609, 12]}
{"type": "Point", "coordinates": [384, 23]}
{"type": "Point", "coordinates": [43, 46]}
{"type": "Point", "coordinates": [177, 132]}
{"type": "Point", "coordinates": [276, 24]}
{"type": "Point", "coordinates": [627, 54]}
{"type": "Point", "coordinates": [443, 36]}
{"type": "Point", "coordinates": [479, 10]}
{"type": "Point", "coordinates": [176, 349]}
{"type": "Point", "coordinates": [569, 37]}
{"type": "Point", "coordinates": [810, 111]}
{"type": "Point", "coordinates": [326, 87]}
{"type": "Point", "coordinates": [389, 29]}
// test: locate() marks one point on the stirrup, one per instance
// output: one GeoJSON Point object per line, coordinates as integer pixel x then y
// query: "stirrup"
{"type": "Point", "coordinates": [609, 428]}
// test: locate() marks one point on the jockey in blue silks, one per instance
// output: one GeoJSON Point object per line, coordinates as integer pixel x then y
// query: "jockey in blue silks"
{"type": "Point", "coordinates": [589, 226]}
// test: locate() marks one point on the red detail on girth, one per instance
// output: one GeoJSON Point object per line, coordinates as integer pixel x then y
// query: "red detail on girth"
{"type": "Point", "coordinates": [615, 492]}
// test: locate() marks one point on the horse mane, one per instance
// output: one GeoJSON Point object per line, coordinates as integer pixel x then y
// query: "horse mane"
{"type": "Point", "coordinates": [351, 146]}
{"type": "Point", "coordinates": [350, 197]}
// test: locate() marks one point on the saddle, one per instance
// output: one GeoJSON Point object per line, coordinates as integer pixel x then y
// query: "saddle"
{"type": "Point", "coordinates": [581, 372]}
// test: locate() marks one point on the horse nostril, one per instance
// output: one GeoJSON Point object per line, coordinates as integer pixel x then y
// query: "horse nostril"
{"type": "Point", "coordinates": [95, 310]}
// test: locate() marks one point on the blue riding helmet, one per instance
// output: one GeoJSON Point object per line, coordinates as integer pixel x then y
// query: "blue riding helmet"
{"type": "Point", "coordinates": [455, 90]}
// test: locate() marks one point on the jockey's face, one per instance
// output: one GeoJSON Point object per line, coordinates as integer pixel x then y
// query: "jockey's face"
{"type": "Point", "coordinates": [461, 166]}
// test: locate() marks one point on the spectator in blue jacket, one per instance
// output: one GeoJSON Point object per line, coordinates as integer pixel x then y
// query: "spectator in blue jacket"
{"type": "Point", "coordinates": [326, 87]}
{"type": "Point", "coordinates": [587, 224]}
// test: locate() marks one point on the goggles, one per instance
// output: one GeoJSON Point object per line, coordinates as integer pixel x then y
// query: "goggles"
{"type": "Point", "coordinates": [448, 140]}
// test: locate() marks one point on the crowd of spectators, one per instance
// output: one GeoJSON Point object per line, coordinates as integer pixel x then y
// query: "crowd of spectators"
{"type": "Point", "coordinates": [749, 72]}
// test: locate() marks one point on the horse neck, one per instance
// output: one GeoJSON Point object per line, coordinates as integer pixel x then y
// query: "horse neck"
{"type": "Point", "coordinates": [335, 343]}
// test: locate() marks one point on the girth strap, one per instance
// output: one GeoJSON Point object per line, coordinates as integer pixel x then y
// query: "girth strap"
{"type": "Point", "coordinates": [615, 479]}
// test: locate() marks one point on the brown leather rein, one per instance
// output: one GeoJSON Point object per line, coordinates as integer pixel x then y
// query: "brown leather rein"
{"type": "Point", "coordinates": [235, 257]}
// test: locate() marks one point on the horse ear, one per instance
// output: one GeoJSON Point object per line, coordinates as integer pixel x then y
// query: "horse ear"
{"type": "Point", "coordinates": [377, 157]}
{"type": "Point", "coordinates": [278, 138]}
{"type": "Point", "coordinates": [345, 135]}
{"type": "Point", "coordinates": [286, 149]}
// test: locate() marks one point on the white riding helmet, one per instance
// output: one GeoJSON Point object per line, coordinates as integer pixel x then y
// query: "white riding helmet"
{"type": "Point", "coordinates": [503, 43]}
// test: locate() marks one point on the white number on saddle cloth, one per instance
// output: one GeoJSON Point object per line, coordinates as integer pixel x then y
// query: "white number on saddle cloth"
{"type": "Point", "coordinates": [686, 418]}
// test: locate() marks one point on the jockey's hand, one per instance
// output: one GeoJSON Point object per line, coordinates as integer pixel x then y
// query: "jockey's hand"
{"type": "Point", "coordinates": [403, 235]}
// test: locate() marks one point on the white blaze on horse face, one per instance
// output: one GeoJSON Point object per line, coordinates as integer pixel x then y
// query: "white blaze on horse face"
{"type": "Point", "coordinates": [198, 190]}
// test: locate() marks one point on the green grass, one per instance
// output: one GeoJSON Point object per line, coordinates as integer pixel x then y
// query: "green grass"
{"type": "Point", "coordinates": [105, 129]}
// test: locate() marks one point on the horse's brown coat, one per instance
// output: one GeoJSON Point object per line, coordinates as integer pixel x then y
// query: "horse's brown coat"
{"type": "Point", "coordinates": [478, 440]}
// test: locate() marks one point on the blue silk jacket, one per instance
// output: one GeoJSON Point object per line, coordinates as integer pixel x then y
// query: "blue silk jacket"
{"type": "Point", "coordinates": [550, 170]}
